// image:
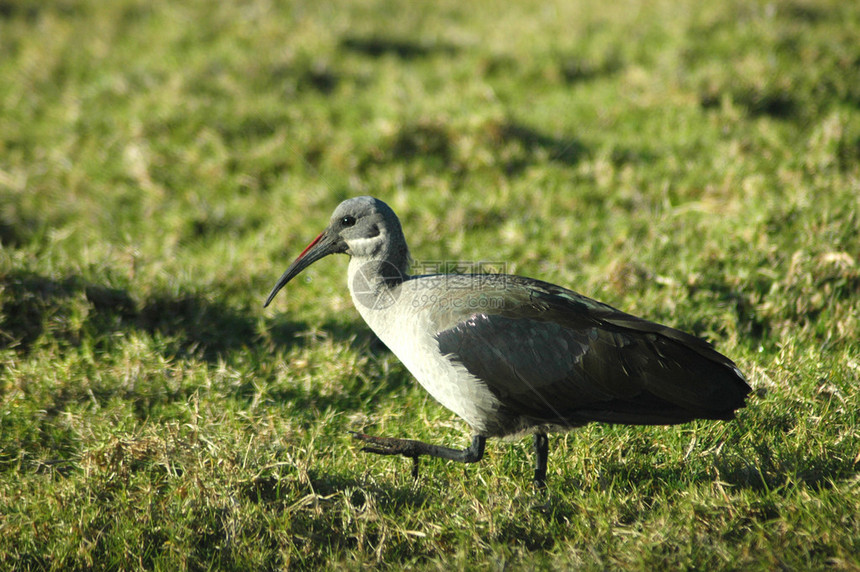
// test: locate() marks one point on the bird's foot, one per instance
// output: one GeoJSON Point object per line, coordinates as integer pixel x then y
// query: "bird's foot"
{"type": "Point", "coordinates": [387, 445]}
{"type": "Point", "coordinates": [391, 446]}
{"type": "Point", "coordinates": [541, 445]}
{"type": "Point", "coordinates": [413, 449]}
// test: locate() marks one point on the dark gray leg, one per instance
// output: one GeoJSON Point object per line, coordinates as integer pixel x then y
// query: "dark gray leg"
{"type": "Point", "coordinates": [541, 454]}
{"type": "Point", "coordinates": [414, 449]}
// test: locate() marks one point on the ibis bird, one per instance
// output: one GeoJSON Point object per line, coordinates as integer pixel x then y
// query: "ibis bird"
{"type": "Point", "coordinates": [512, 355]}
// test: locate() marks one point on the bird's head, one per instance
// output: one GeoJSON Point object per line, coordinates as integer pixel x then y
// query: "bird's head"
{"type": "Point", "coordinates": [363, 227]}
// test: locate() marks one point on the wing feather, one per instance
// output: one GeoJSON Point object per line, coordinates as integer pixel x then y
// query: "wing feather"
{"type": "Point", "coordinates": [555, 356]}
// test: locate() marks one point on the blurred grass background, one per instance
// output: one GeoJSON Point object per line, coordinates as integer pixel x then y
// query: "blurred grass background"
{"type": "Point", "coordinates": [162, 162]}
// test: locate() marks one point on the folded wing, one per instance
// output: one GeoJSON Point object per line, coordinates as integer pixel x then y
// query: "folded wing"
{"type": "Point", "coordinates": [554, 356]}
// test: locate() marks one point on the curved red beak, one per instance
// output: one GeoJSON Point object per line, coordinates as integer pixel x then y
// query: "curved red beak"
{"type": "Point", "coordinates": [323, 245]}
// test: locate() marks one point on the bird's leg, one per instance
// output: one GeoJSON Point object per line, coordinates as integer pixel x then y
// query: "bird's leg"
{"type": "Point", "coordinates": [414, 449]}
{"type": "Point", "coordinates": [541, 454]}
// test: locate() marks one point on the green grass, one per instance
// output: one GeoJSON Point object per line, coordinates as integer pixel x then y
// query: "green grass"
{"type": "Point", "coordinates": [162, 162]}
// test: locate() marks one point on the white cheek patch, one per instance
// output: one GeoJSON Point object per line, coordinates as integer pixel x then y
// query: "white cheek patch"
{"type": "Point", "coordinates": [367, 246]}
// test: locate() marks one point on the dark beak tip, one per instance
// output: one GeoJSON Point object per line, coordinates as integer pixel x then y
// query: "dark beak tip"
{"type": "Point", "coordinates": [319, 247]}
{"type": "Point", "coordinates": [271, 297]}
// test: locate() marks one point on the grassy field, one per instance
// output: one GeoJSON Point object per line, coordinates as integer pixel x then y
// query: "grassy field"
{"type": "Point", "coordinates": [162, 162]}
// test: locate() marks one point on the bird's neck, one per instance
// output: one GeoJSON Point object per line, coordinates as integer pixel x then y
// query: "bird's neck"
{"type": "Point", "coordinates": [382, 261]}
{"type": "Point", "coordinates": [374, 283]}
{"type": "Point", "coordinates": [378, 267]}
{"type": "Point", "coordinates": [377, 273]}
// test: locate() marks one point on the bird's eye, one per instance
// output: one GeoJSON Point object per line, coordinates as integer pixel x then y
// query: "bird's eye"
{"type": "Point", "coordinates": [347, 221]}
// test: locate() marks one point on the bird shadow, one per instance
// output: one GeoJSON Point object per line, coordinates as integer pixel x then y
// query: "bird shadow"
{"type": "Point", "coordinates": [763, 473]}
{"type": "Point", "coordinates": [566, 150]}
{"type": "Point", "coordinates": [759, 474]}
{"type": "Point", "coordinates": [69, 312]}
{"type": "Point", "coordinates": [193, 325]}
{"type": "Point", "coordinates": [515, 145]}
{"type": "Point", "coordinates": [378, 46]}
{"type": "Point", "coordinates": [359, 492]}
{"type": "Point", "coordinates": [31, 11]}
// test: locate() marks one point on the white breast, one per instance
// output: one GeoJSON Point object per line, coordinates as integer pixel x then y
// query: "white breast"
{"type": "Point", "coordinates": [408, 333]}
